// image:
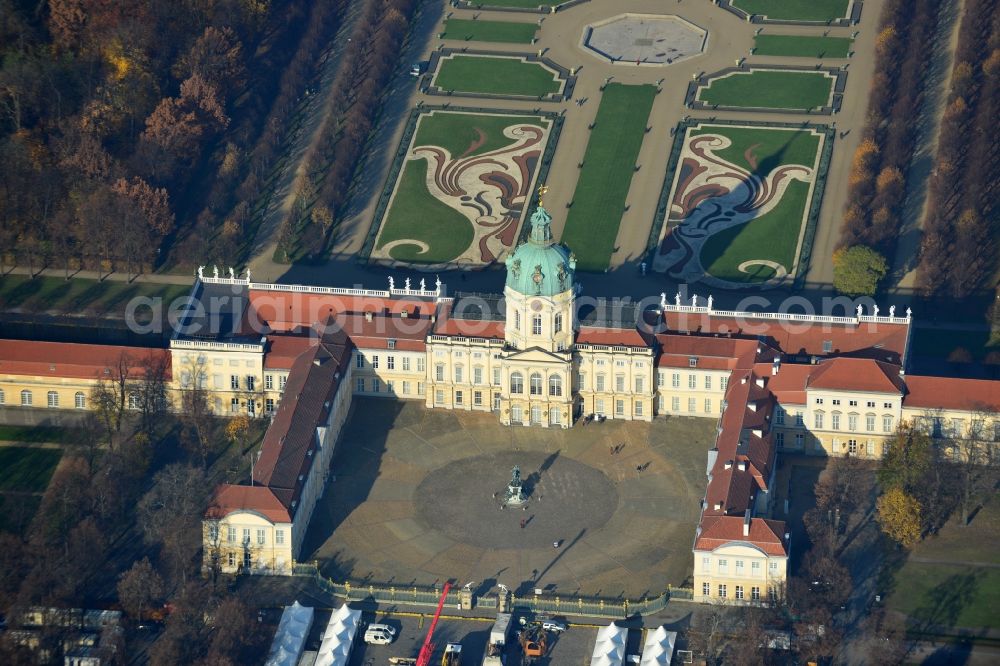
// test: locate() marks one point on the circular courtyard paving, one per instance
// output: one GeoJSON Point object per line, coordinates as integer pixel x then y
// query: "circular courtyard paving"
{"type": "Point", "coordinates": [411, 502]}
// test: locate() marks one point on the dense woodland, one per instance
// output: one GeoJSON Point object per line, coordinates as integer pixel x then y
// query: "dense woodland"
{"type": "Point", "coordinates": [135, 134]}
{"type": "Point", "coordinates": [878, 173]}
{"type": "Point", "coordinates": [119, 526]}
{"type": "Point", "coordinates": [959, 253]}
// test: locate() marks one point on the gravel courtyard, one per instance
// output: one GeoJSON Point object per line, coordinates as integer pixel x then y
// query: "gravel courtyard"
{"type": "Point", "coordinates": [411, 501]}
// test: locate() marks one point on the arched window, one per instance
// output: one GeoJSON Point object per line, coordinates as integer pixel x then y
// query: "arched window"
{"type": "Point", "coordinates": [516, 382]}
{"type": "Point", "coordinates": [555, 385]}
{"type": "Point", "coordinates": [53, 399]}
{"type": "Point", "coordinates": [536, 383]}
{"type": "Point", "coordinates": [26, 398]}
{"type": "Point", "coordinates": [80, 400]}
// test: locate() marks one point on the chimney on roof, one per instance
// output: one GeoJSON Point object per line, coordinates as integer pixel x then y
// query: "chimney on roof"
{"type": "Point", "coordinates": [742, 465]}
{"type": "Point", "coordinates": [743, 380]}
{"type": "Point", "coordinates": [404, 314]}
{"type": "Point", "coordinates": [752, 406]}
{"type": "Point", "coordinates": [746, 523]}
{"type": "Point", "coordinates": [760, 382]}
{"type": "Point", "coordinates": [317, 362]}
{"type": "Point", "coordinates": [775, 366]}
{"type": "Point", "coordinates": [729, 464]}
{"type": "Point", "coordinates": [758, 432]}
{"type": "Point", "coordinates": [368, 315]}
{"type": "Point", "coordinates": [718, 506]}
{"type": "Point", "coordinates": [788, 535]}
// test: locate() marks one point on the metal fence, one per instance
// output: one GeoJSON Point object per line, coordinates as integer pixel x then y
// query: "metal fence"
{"type": "Point", "coordinates": [416, 595]}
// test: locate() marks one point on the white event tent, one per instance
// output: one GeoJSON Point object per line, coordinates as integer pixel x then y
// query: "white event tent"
{"type": "Point", "coordinates": [335, 650]}
{"type": "Point", "coordinates": [290, 639]}
{"type": "Point", "coordinates": [610, 647]}
{"type": "Point", "coordinates": [659, 648]}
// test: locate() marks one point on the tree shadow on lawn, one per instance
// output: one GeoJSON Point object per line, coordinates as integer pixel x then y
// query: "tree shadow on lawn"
{"type": "Point", "coordinates": [945, 602]}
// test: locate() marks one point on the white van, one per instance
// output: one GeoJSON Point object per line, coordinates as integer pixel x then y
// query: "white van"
{"type": "Point", "coordinates": [379, 634]}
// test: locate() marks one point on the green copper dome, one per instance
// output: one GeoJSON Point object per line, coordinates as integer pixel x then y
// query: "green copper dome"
{"type": "Point", "coordinates": [540, 266]}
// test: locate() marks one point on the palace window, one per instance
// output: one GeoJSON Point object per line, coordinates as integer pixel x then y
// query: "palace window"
{"type": "Point", "coordinates": [870, 422]}
{"type": "Point", "coordinates": [600, 383]}
{"type": "Point", "coordinates": [536, 325]}
{"type": "Point", "coordinates": [706, 589]}
{"type": "Point", "coordinates": [390, 362]}
{"type": "Point", "coordinates": [421, 364]}
{"type": "Point", "coordinates": [739, 591]}
{"type": "Point", "coordinates": [268, 382]}
{"type": "Point", "coordinates": [439, 372]}
{"type": "Point", "coordinates": [887, 405]}
{"type": "Point", "coordinates": [755, 593]}
{"type": "Point", "coordinates": [819, 401]}
{"type": "Point", "coordinates": [438, 397]}
{"type": "Point", "coordinates": [675, 380]}
{"type": "Point", "coordinates": [638, 407]}
{"type": "Point", "coordinates": [691, 404]}
{"type": "Point", "coordinates": [558, 322]}
{"type": "Point", "coordinates": [836, 402]}
{"type": "Point", "coordinates": [675, 404]}
{"type": "Point", "coordinates": [693, 362]}
{"type": "Point", "coordinates": [772, 568]}
{"type": "Point", "coordinates": [620, 383]}
{"type": "Point", "coordinates": [53, 398]}
{"type": "Point", "coordinates": [477, 398]}
{"type": "Point", "coordinates": [722, 590]}
{"type": "Point", "coordinates": [692, 381]}
{"type": "Point", "coordinates": [390, 387]}
{"type": "Point", "coordinates": [818, 420]}
{"type": "Point", "coordinates": [708, 405]}
{"type": "Point", "coordinates": [535, 382]}
{"type": "Point", "coordinates": [725, 383]}
{"type": "Point", "coordinates": [536, 415]}
{"type": "Point", "coordinates": [661, 379]}
{"type": "Point", "coordinates": [779, 439]}
{"type": "Point", "coordinates": [853, 403]}
{"type": "Point", "coordinates": [459, 374]}
{"type": "Point", "coordinates": [779, 416]}
{"type": "Point", "coordinates": [406, 363]}
{"type": "Point", "coordinates": [555, 418]}
{"type": "Point", "coordinates": [3, 397]}
{"type": "Point", "coordinates": [870, 404]}
{"type": "Point", "coordinates": [496, 375]}
{"type": "Point", "coordinates": [360, 386]}
{"type": "Point", "coordinates": [269, 406]}
{"type": "Point", "coordinates": [723, 566]}
{"type": "Point", "coordinates": [754, 569]}
{"type": "Point", "coordinates": [279, 537]}
{"type": "Point", "coordinates": [375, 362]}
{"type": "Point", "coordinates": [599, 406]}
{"type": "Point", "coordinates": [835, 421]}
{"type": "Point", "coordinates": [390, 344]}
{"type": "Point", "coordinates": [234, 382]}
{"type": "Point", "coordinates": [799, 440]}
{"type": "Point", "coordinates": [581, 381]}
{"type": "Point", "coordinates": [260, 537]}
{"type": "Point", "coordinates": [477, 375]}
{"type": "Point", "coordinates": [80, 400]}
{"type": "Point", "coordinates": [517, 320]}
{"type": "Point", "coordinates": [406, 388]}
{"type": "Point", "coordinates": [706, 564]}
{"type": "Point", "coordinates": [246, 536]}
{"type": "Point", "coordinates": [231, 559]}
{"type": "Point", "coordinates": [359, 361]}
{"type": "Point", "coordinates": [852, 422]}
{"type": "Point", "coordinates": [376, 385]}
{"type": "Point", "coordinates": [459, 398]}
{"type": "Point", "coordinates": [555, 385]}
{"type": "Point", "coordinates": [516, 382]}
{"type": "Point", "coordinates": [281, 382]}
{"type": "Point", "coordinates": [251, 382]}
{"type": "Point", "coordinates": [420, 388]}
{"type": "Point", "coordinates": [516, 415]}
{"type": "Point", "coordinates": [886, 424]}
{"type": "Point", "coordinates": [799, 419]}
{"type": "Point", "coordinates": [619, 408]}
{"type": "Point", "coordinates": [708, 382]}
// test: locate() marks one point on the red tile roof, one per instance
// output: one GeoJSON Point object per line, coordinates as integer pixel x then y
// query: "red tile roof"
{"type": "Point", "coordinates": [282, 350]}
{"type": "Point", "coordinates": [283, 311]}
{"type": "Point", "coordinates": [856, 374]}
{"type": "Point", "coordinates": [599, 335]}
{"type": "Point", "coordinates": [310, 389]}
{"type": "Point", "coordinates": [789, 385]}
{"type": "Point", "coordinates": [768, 535]}
{"type": "Point", "coordinates": [885, 342]}
{"type": "Point", "coordinates": [470, 328]}
{"type": "Point", "coordinates": [256, 499]}
{"type": "Point", "coordinates": [72, 360]}
{"type": "Point", "coordinates": [952, 393]}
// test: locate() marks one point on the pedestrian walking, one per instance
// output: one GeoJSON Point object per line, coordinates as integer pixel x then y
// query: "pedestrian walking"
{"type": "Point", "coordinates": [522, 523]}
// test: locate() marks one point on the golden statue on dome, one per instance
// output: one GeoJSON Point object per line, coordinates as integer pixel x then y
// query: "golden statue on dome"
{"type": "Point", "coordinates": [542, 190]}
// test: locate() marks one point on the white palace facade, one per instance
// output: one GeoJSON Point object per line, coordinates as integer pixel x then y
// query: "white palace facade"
{"type": "Point", "coordinates": [537, 356]}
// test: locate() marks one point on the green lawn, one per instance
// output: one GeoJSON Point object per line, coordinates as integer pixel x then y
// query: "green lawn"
{"type": "Point", "coordinates": [775, 234]}
{"type": "Point", "coordinates": [795, 10]}
{"type": "Point", "coordinates": [608, 165]}
{"type": "Point", "coordinates": [27, 469]}
{"type": "Point", "coordinates": [802, 46]}
{"type": "Point", "coordinates": [416, 213]}
{"type": "Point", "coordinates": [79, 295]}
{"type": "Point", "coordinates": [489, 31]}
{"type": "Point", "coordinates": [947, 595]}
{"type": "Point", "coordinates": [769, 89]}
{"type": "Point", "coordinates": [460, 133]}
{"type": "Point", "coordinates": [495, 75]}
{"type": "Point", "coordinates": [36, 434]}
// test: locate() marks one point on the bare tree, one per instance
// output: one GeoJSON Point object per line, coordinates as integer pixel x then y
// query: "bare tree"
{"type": "Point", "coordinates": [170, 514]}
{"type": "Point", "coordinates": [110, 395]}
{"type": "Point", "coordinates": [974, 459]}
{"type": "Point", "coordinates": [140, 588]}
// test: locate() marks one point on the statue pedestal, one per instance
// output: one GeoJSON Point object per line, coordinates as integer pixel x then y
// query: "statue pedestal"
{"type": "Point", "coordinates": [515, 495]}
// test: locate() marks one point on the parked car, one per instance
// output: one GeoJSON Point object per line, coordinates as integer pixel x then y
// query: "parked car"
{"type": "Point", "coordinates": [379, 634]}
{"type": "Point", "coordinates": [418, 68]}
{"type": "Point", "coordinates": [554, 626]}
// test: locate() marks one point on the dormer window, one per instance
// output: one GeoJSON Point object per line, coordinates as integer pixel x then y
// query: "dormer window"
{"type": "Point", "coordinates": [391, 344]}
{"type": "Point", "coordinates": [693, 362]}
{"type": "Point", "coordinates": [827, 346]}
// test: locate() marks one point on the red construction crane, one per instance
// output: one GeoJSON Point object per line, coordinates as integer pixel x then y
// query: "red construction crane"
{"type": "Point", "coordinates": [427, 649]}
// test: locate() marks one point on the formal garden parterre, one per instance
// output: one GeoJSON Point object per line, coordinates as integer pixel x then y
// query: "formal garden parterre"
{"type": "Point", "coordinates": [511, 32]}
{"type": "Point", "coordinates": [802, 46]}
{"type": "Point", "coordinates": [495, 74]}
{"type": "Point", "coordinates": [462, 187]}
{"type": "Point", "coordinates": [606, 174]}
{"type": "Point", "coordinates": [820, 11]}
{"type": "Point", "coordinates": [741, 198]}
{"type": "Point", "coordinates": [782, 89]}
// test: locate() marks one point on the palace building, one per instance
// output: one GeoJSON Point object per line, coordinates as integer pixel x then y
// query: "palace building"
{"type": "Point", "coordinates": [537, 356]}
